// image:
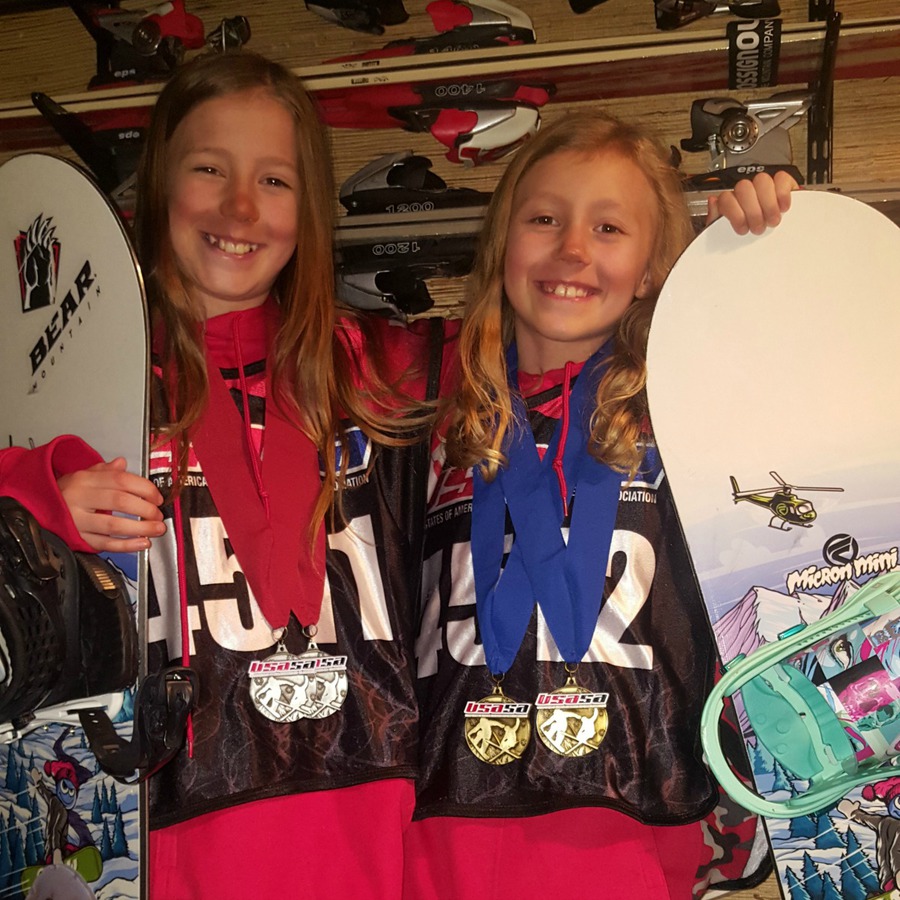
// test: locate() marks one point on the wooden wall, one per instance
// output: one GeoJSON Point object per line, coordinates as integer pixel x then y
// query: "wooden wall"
{"type": "Point", "coordinates": [48, 50]}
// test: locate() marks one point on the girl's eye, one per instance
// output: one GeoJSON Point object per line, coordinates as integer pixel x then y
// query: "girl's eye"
{"type": "Point", "coordinates": [272, 181]}
{"type": "Point", "coordinates": [208, 170]}
{"type": "Point", "coordinates": [606, 228]}
{"type": "Point", "coordinates": [543, 220]}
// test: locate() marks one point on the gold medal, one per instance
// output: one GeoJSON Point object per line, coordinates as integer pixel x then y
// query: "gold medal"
{"type": "Point", "coordinates": [497, 728]}
{"type": "Point", "coordinates": [570, 720]}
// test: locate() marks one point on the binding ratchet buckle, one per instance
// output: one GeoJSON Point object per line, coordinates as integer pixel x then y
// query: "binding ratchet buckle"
{"type": "Point", "coordinates": [161, 708]}
{"type": "Point", "coordinates": [823, 700]}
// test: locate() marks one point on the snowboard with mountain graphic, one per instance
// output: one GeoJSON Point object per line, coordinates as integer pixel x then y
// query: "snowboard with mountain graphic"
{"type": "Point", "coordinates": [773, 380]}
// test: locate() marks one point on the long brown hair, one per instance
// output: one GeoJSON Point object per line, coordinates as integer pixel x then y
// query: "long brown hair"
{"type": "Point", "coordinates": [313, 361]}
{"type": "Point", "coordinates": [481, 413]}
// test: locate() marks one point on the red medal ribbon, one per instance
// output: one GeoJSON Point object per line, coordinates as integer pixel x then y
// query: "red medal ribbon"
{"type": "Point", "coordinates": [267, 524]}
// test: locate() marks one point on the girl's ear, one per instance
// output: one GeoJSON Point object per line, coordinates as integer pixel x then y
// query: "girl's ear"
{"type": "Point", "coordinates": [643, 288]}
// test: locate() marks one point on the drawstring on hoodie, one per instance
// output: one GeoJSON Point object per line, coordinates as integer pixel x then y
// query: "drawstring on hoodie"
{"type": "Point", "coordinates": [178, 524]}
{"type": "Point", "coordinates": [563, 435]}
{"type": "Point", "coordinates": [178, 521]}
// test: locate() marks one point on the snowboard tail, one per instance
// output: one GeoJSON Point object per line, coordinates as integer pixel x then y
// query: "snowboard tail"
{"type": "Point", "coordinates": [781, 688]}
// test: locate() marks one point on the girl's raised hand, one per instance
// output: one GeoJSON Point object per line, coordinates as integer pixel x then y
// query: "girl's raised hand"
{"type": "Point", "coordinates": [94, 494]}
{"type": "Point", "coordinates": [756, 204]}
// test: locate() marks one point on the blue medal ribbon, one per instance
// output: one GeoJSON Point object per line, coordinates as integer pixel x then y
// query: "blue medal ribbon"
{"type": "Point", "coordinates": [566, 581]}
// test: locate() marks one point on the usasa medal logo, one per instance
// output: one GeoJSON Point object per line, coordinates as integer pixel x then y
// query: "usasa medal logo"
{"type": "Point", "coordinates": [570, 720]}
{"type": "Point", "coordinates": [497, 729]}
{"type": "Point", "coordinates": [286, 688]}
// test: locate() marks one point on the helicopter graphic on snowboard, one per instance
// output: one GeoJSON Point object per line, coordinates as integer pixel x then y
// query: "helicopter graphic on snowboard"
{"type": "Point", "coordinates": [786, 507]}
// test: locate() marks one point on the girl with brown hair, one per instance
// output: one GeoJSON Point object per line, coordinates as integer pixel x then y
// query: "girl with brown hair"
{"type": "Point", "coordinates": [282, 509]}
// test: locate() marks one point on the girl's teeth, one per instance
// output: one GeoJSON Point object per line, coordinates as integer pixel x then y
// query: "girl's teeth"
{"type": "Point", "coordinates": [239, 249]}
{"type": "Point", "coordinates": [567, 290]}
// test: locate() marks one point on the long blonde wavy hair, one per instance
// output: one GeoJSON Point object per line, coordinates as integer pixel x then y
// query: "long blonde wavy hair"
{"type": "Point", "coordinates": [480, 415]}
{"type": "Point", "coordinates": [313, 361]}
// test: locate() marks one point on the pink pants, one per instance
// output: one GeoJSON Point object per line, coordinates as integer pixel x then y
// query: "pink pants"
{"type": "Point", "coordinates": [574, 854]}
{"type": "Point", "coordinates": [343, 843]}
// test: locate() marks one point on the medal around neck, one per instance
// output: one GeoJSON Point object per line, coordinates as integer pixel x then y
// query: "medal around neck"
{"type": "Point", "coordinates": [497, 728]}
{"type": "Point", "coordinates": [286, 687]}
{"type": "Point", "coordinates": [570, 720]}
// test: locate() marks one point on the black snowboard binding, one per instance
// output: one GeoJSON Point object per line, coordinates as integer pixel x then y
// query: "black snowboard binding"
{"type": "Point", "coordinates": [67, 633]}
{"type": "Point", "coordinates": [67, 629]}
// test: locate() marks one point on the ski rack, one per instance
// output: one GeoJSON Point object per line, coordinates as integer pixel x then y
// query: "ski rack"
{"type": "Point", "coordinates": [396, 227]}
{"type": "Point", "coordinates": [580, 71]}
{"type": "Point", "coordinates": [820, 120]}
{"type": "Point", "coordinates": [394, 237]}
{"type": "Point", "coordinates": [881, 196]}
{"type": "Point", "coordinates": [689, 62]}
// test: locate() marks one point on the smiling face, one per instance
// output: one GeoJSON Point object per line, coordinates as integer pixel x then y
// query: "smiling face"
{"type": "Point", "coordinates": [232, 183]}
{"type": "Point", "coordinates": [578, 250]}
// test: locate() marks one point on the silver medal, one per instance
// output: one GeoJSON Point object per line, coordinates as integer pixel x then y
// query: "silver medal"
{"type": "Point", "coordinates": [286, 687]}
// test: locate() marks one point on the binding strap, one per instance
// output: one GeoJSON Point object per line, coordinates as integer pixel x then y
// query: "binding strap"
{"type": "Point", "coordinates": [161, 708]}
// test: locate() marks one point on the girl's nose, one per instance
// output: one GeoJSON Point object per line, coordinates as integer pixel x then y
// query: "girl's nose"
{"type": "Point", "coordinates": [238, 204]}
{"type": "Point", "coordinates": [572, 246]}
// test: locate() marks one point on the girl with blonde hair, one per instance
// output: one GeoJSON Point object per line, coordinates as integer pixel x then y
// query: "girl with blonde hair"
{"type": "Point", "coordinates": [563, 652]}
